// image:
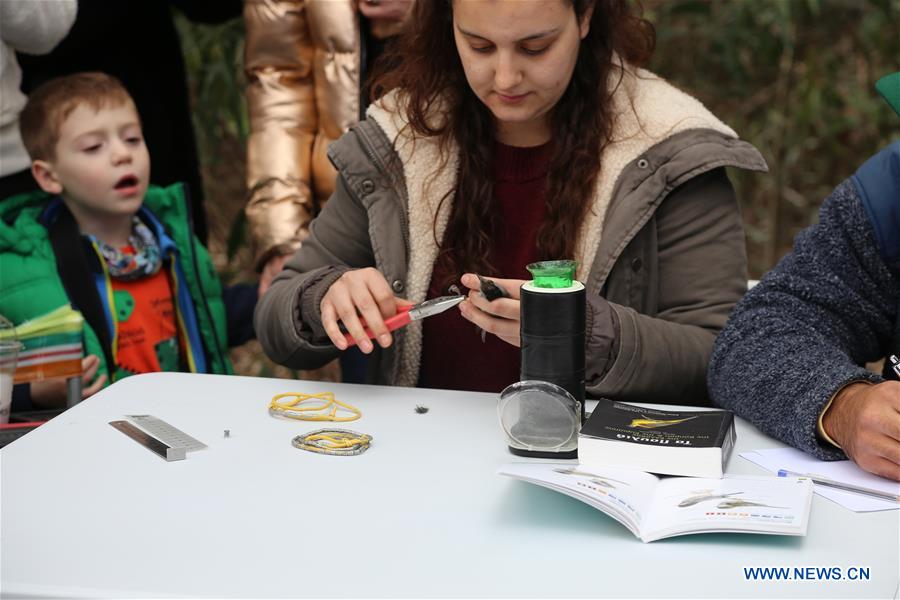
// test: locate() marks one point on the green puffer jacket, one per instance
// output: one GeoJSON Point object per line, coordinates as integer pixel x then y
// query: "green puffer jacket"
{"type": "Point", "coordinates": [30, 284]}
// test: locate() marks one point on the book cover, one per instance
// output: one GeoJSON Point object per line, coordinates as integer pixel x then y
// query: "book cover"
{"type": "Point", "coordinates": [627, 423]}
{"type": "Point", "coordinates": [694, 443]}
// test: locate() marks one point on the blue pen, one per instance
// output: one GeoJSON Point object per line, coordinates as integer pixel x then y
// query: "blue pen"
{"type": "Point", "coordinates": [895, 364]}
{"type": "Point", "coordinates": [847, 487]}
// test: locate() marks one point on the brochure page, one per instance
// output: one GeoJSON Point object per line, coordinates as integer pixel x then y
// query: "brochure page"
{"type": "Point", "coordinates": [773, 505]}
{"type": "Point", "coordinates": [622, 494]}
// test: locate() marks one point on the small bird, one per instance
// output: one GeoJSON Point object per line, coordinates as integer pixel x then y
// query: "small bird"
{"type": "Point", "coordinates": [490, 291]}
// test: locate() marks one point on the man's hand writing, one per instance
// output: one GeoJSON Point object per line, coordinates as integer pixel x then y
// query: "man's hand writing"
{"type": "Point", "coordinates": [865, 420]}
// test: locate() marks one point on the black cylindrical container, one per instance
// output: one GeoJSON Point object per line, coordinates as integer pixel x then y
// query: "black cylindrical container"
{"type": "Point", "coordinates": [552, 336]}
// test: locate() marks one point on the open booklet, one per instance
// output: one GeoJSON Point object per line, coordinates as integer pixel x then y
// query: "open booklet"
{"type": "Point", "coordinates": [654, 508]}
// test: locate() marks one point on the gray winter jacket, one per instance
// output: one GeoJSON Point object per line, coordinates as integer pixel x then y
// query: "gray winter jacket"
{"type": "Point", "coordinates": [825, 310]}
{"type": "Point", "coordinates": [663, 244]}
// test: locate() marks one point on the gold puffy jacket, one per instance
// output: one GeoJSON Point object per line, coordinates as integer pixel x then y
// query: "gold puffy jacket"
{"type": "Point", "coordinates": [302, 61]}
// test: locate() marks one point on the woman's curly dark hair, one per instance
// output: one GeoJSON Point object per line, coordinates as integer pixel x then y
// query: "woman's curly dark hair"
{"type": "Point", "coordinates": [424, 66]}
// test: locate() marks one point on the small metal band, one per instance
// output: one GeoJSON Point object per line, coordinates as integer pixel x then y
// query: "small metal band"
{"type": "Point", "coordinates": [337, 442]}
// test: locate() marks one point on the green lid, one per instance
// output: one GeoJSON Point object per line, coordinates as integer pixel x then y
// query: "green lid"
{"type": "Point", "coordinates": [553, 273]}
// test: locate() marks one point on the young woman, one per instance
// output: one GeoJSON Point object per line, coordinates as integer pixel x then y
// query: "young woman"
{"type": "Point", "coordinates": [515, 131]}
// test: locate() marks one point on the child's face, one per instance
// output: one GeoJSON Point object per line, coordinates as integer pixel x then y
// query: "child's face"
{"type": "Point", "coordinates": [102, 167]}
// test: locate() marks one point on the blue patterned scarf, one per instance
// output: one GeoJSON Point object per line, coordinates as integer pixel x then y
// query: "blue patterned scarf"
{"type": "Point", "coordinates": [145, 261]}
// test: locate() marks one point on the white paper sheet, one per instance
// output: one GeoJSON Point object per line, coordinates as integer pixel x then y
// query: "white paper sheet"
{"type": "Point", "coordinates": [844, 471]}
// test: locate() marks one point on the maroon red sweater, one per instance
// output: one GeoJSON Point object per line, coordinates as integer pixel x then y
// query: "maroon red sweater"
{"type": "Point", "coordinates": [453, 355]}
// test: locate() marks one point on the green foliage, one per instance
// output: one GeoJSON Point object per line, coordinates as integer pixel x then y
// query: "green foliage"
{"type": "Point", "coordinates": [214, 57]}
{"type": "Point", "coordinates": [796, 79]}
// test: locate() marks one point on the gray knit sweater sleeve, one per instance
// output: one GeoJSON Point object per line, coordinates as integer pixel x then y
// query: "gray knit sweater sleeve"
{"type": "Point", "coordinates": [808, 327]}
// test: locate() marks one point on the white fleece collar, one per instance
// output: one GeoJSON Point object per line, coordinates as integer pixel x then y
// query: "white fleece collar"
{"type": "Point", "coordinates": [664, 111]}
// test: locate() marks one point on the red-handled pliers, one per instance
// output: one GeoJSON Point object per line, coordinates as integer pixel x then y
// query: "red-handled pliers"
{"type": "Point", "coordinates": [413, 312]}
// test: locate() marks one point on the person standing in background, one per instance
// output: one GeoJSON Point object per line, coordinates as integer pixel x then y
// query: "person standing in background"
{"type": "Point", "coordinates": [136, 42]}
{"type": "Point", "coordinates": [31, 28]}
{"type": "Point", "coordinates": [306, 62]}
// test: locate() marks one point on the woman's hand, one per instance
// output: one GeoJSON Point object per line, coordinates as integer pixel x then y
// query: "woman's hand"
{"type": "Point", "coordinates": [500, 317]}
{"type": "Point", "coordinates": [359, 293]}
{"type": "Point", "coordinates": [387, 10]}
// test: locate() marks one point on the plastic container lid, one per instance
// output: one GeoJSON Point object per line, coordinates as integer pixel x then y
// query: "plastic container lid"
{"type": "Point", "coordinates": [538, 415]}
{"type": "Point", "coordinates": [553, 273]}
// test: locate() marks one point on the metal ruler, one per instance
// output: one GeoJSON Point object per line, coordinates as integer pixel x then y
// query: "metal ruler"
{"type": "Point", "coordinates": [148, 441]}
{"type": "Point", "coordinates": [166, 433]}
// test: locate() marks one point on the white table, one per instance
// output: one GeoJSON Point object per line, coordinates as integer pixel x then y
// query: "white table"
{"type": "Point", "coordinates": [88, 512]}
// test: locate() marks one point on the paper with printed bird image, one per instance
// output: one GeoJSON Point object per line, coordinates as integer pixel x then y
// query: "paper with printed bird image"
{"type": "Point", "coordinates": [653, 508]}
{"type": "Point", "coordinates": [688, 443]}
